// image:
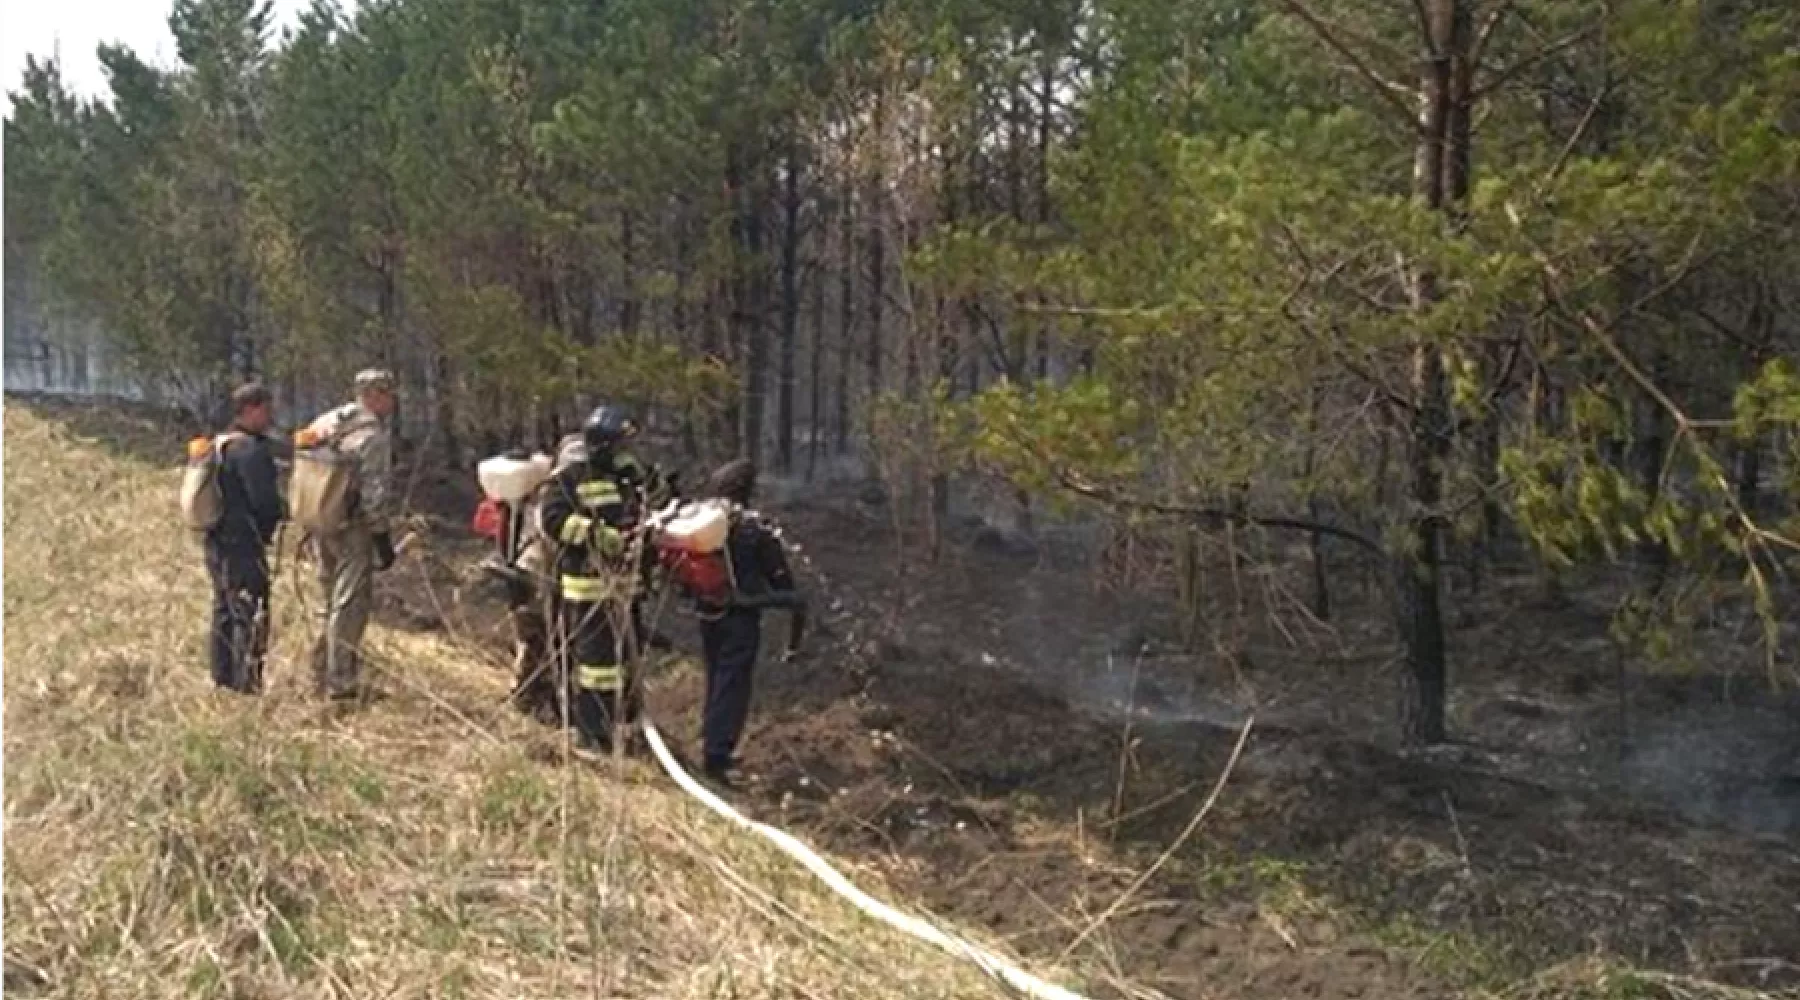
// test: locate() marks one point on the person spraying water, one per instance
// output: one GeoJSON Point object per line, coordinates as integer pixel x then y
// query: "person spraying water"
{"type": "Point", "coordinates": [734, 567]}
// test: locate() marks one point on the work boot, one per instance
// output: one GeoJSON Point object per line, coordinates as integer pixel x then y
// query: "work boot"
{"type": "Point", "coordinates": [592, 753]}
{"type": "Point", "coordinates": [590, 746]}
{"type": "Point", "coordinates": [723, 773]}
{"type": "Point", "coordinates": [355, 693]}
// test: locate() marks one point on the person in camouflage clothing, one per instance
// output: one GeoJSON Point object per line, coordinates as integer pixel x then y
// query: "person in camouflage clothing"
{"type": "Point", "coordinates": [349, 558]}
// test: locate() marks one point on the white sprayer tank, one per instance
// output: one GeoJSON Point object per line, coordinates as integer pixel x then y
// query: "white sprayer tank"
{"type": "Point", "coordinates": [695, 527]}
{"type": "Point", "coordinates": [510, 480]}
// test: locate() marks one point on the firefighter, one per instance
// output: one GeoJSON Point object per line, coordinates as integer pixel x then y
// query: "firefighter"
{"type": "Point", "coordinates": [591, 511]}
{"type": "Point", "coordinates": [350, 555]}
{"type": "Point", "coordinates": [731, 634]}
{"type": "Point", "coordinates": [237, 547]}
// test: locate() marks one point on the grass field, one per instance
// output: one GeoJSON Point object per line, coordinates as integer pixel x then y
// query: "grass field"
{"type": "Point", "coordinates": [163, 839]}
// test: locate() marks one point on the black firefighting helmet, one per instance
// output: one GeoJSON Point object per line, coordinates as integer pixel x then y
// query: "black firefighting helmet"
{"type": "Point", "coordinates": [606, 428]}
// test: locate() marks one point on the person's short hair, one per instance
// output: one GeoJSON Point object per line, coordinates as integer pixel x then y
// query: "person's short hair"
{"type": "Point", "coordinates": [735, 480]}
{"type": "Point", "coordinates": [248, 395]}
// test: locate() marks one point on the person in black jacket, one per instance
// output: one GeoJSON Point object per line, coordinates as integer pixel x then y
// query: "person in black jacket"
{"type": "Point", "coordinates": [731, 636]}
{"type": "Point", "coordinates": [236, 548]}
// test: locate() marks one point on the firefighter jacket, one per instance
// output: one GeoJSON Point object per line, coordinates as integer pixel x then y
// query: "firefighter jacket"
{"type": "Point", "coordinates": [587, 511]}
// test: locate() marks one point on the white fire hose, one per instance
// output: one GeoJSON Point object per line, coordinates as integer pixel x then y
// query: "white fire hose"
{"type": "Point", "coordinates": [983, 959]}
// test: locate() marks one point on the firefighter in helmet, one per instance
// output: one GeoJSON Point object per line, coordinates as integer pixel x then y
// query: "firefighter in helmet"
{"type": "Point", "coordinates": [591, 511]}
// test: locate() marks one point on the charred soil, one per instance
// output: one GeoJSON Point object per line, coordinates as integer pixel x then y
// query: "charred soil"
{"type": "Point", "coordinates": [1005, 742]}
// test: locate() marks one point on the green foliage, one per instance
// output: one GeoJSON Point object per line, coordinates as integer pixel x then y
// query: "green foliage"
{"type": "Point", "coordinates": [1187, 249]}
{"type": "Point", "coordinates": [1080, 426]}
{"type": "Point", "coordinates": [1770, 400]}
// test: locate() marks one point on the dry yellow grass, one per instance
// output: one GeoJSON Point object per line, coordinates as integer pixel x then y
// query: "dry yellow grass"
{"type": "Point", "coordinates": [163, 839]}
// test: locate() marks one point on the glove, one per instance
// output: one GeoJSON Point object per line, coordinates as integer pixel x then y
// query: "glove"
{"type": "Point", "coordinates": [605, 540]}
{"type": "Point", "coordinates": [384, 550]}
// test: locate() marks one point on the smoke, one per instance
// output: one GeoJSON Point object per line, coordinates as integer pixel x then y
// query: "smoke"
{"type": "Point", "coordinates": [1729, 765]}
{"type": "Point", "coordinates": [1123, 688]}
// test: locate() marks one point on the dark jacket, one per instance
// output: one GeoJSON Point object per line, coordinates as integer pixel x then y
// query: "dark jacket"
{"type": "Point", "coordinates": [764, 579]}
{"type": "Point", "coordinates": [249, 487]}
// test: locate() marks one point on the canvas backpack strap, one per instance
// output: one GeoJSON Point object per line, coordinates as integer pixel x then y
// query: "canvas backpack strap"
{"type": "Point", "coordinates": [222, 441]}
{"type": "Point", "coordinates": [346, 420]}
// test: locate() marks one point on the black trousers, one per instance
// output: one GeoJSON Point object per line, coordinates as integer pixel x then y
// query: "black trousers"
{"type": "Point", "coordinates": [730, 644]}
{"type": "Point", "coordinates": [240, 626]}
{"type": "Point", "coordinates": [596, 661]}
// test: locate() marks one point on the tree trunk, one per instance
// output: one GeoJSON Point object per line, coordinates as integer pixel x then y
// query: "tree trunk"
{"type": "Point", "coordinates": [877, 255]}
{"type": "Point", "coordinates": [1015, 152]}
{"type": "Point", "coordinates": [725, 426]}
{"type": "Point", "coordinates": [1321, 603]}
{"type": "Point", "coordinates": [1749, 476]}
{"type": "Point", "coordinates": [584, 308]}
{"type": "Point", "coordinates": [790, 309]}
{"type": "Point", "coordinates": [973, 332]}
{"type": "Point", "coordinates": [1649, 448]}
{"type": "Point", "coordinates": [679, 310]}
{"type": "Point", "coordinates": [629, 307]}
{"type": "Point", "coordinates": [748, 298]}
{"type": "Point", "coordinates": [815, 375]}
{"type": "Point", "coordinates": [1420, 572]}
{"type": "Point", "coordinates": [1046, 118]}
{"type": "Point", "coordinates": [1440, 179]}
{"type": "Point", "coordinates": [1321, 569]}
{"type": "Point", "coordinates": [1487, 447]}
{"type": "Point", "coordinates": [446, 410]}
{"type": "Point", "coordinates": [846, 338]}
{"type": "Point", "coordinates": [947, 350]}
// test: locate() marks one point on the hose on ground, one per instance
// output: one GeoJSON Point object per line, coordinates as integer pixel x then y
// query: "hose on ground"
{"type": "Point", "coordinates": [986, 961]}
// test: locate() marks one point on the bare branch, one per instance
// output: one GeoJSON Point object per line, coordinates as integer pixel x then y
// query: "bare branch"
{"type": "Point", "coordinates": [1739, 337]}
{"type": "Point", "coordinates": [1507, 75]}
{"type": "Point", "coordinates": [1135, 312]}
{"type": "Point", "coordinates": [1503, 380]}
{"type": "Point", "coordinates": [1389, 91]}
{"type": "Point", "coordinates": [1074, 483]}
{"type": "Point", "coordinates": [1425, 31]}
{"type": "Point", "coordinates": [1685, 426]}
{"type": "Point", "coordinates": [1568, 149]}
{"type": "Point", "coordinates": [1485, 33]}
{"type": "Point", "coordinates": [996, 343]}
